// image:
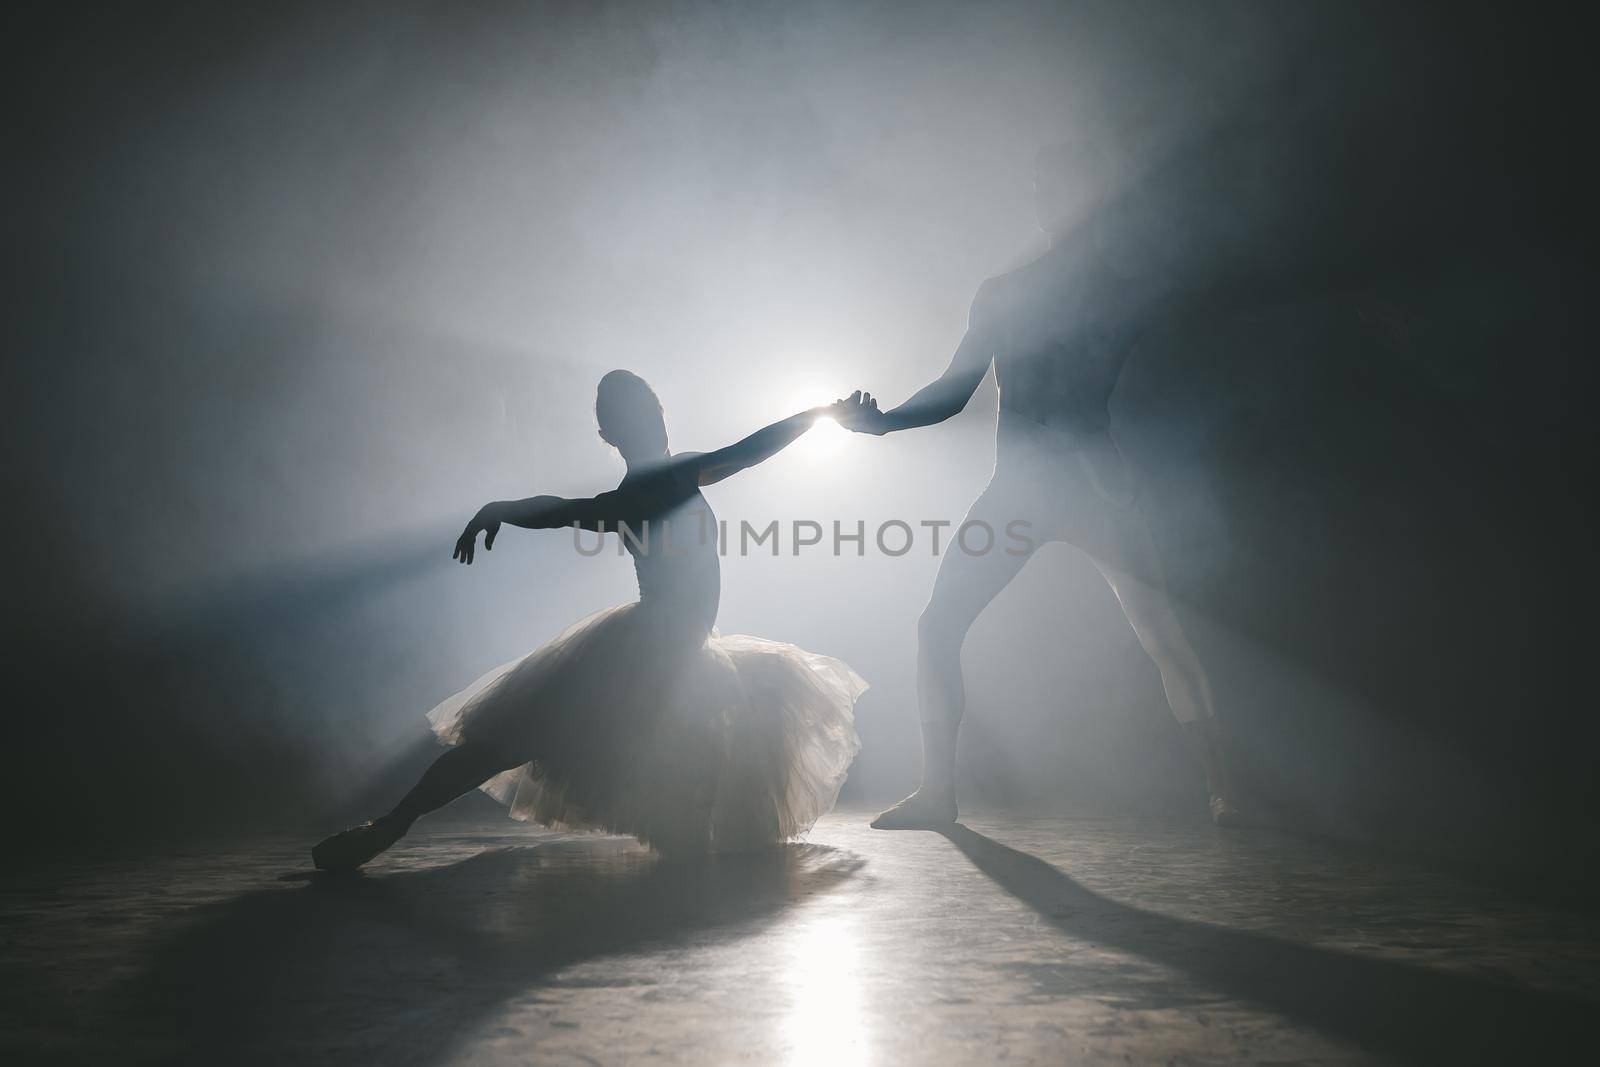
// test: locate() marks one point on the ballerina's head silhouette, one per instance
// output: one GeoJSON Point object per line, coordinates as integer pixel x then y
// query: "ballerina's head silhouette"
{"type": "Point", "coordinates": [630, 417]}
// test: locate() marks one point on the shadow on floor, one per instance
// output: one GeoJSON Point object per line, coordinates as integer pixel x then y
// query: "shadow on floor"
{"type": "Point", "coordinates": [402, 966]}
{"type": "Point", "coordinates": [1399, 1010]}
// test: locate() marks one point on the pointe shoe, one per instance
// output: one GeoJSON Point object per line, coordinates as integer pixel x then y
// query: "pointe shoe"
{"type": "Point", "coordinates": [918, 811]}
{"type": "Point", "coordinates": [349, 849]}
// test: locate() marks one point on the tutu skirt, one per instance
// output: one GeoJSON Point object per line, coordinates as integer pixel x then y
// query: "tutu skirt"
{"type": "Point", "coordinates": [630, 722]}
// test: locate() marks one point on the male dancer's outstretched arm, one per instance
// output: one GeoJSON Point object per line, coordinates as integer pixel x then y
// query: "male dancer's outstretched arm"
{"type": "Point", "coordinates": [945, 396]}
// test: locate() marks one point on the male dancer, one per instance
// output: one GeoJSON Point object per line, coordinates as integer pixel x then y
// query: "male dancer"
{"type": "Point", "coordinates": [1057, 332]}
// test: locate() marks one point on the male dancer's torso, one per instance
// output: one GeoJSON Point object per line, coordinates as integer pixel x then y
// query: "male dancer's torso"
{"type": "Point", "coordinates": [1060, 330]}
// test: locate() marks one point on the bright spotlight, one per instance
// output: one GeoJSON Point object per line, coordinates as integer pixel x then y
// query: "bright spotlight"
{"type": "Point", "coordinates": [823, 439]}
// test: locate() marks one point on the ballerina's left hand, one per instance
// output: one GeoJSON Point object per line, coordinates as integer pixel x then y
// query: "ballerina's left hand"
{"type": "Point", "coordinates": [467, 543]}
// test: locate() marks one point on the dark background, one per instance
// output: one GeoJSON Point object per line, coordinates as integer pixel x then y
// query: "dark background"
{"type": "Point", "coordinates": [294, 289]}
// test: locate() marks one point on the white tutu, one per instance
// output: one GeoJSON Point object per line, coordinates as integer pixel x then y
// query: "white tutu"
{"type": "Point", "coordinates": [630, 722]}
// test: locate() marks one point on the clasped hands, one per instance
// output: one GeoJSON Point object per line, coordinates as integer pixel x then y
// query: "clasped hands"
{"type": "Point", "coordinates": [859, 412]}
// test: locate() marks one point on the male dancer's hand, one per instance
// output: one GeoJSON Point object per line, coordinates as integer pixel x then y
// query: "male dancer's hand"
{"type": "Point", "coordinates": [859, 412]}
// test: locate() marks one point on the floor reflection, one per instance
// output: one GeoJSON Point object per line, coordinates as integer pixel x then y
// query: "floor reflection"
{"type": "Point", "coordinates": [1023, 941]}
{"type": "Point", "coordinates": [826, 1022]}
{"type": "Point", "coordinates": [411, 963]}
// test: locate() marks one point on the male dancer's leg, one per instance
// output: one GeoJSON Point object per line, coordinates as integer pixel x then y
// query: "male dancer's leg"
{"type": "Point", "coordinates": [1131, 564]}
{"type": "Point", "coordinates": [964, 587]}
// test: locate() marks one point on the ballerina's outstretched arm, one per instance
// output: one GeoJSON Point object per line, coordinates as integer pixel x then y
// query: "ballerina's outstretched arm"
{"type": "Point", "coordinates": [650, 495]}
{"type": "Point", "coordinates": [712, 467]}
{"type": "Point", "coordinates": [609, 511]}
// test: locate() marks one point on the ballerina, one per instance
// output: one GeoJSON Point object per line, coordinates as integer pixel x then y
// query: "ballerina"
{"type": "Point", "coordinates": [642, 718]}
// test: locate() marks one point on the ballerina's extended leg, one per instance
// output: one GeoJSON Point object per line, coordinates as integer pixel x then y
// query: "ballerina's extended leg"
{"type": "Point", "coordinates": [456, 772]}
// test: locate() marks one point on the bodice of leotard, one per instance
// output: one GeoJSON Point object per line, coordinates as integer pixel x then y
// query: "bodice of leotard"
{"type": "Point", "coordinates": [675, 559]}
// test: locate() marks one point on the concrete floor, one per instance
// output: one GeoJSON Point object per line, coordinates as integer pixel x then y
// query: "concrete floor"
{"type": "Point", "coordinates": [1017, 940]}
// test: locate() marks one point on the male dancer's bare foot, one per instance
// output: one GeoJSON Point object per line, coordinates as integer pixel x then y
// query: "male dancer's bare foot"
{"type": "Point", "coordinates": [933, 805]}
{"type": "Point", "coordinates": [923, 810]}
{"type": "Point", "coordinates": [1226, 813]}
{"type": "Point", "coordinates": [349, 849]}
{"type": "Point", "coordinates": [1212, 744]}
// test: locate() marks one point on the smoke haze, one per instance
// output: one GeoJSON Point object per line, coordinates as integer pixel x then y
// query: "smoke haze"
{"type": "Point", "coordinates": [297, 289]}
